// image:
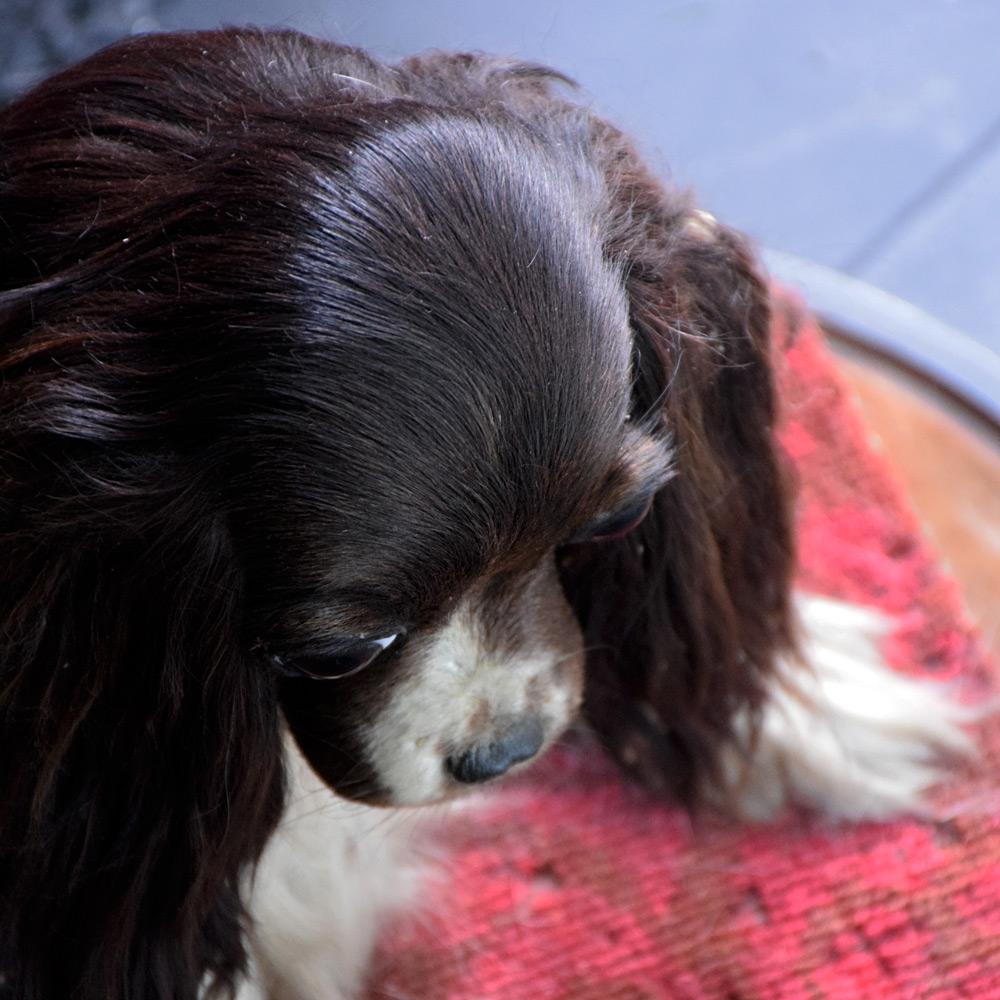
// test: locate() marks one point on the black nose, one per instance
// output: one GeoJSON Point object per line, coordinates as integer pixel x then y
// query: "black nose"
{"type": "Point", "coordinates": [490, 760]}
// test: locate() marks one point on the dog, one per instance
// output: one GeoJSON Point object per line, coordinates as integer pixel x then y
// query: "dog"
{"type": "Point", "coordinates": [362, 425]}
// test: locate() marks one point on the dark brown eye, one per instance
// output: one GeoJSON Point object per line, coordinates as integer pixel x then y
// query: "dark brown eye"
{"type": "Point", "coordinates": [344, 659]}
{"type": "Point", "coordinates": [615, 524]}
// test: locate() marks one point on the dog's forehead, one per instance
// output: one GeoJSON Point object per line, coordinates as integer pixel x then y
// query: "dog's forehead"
{"type": "Point", "coordinates": [471, 302]}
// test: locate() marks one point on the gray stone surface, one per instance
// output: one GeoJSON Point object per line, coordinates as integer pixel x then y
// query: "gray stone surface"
{"type": "Point", "coordinates": [948, 253]}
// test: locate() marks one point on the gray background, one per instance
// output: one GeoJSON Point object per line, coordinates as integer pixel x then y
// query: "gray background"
{"type": "Point", "coordinates": [862, 134]}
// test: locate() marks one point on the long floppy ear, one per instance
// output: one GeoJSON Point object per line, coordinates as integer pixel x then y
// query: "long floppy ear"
{"type": "Point", "coordinates": [142, 763]}
{"type": "Point", "coordinates": [684, 617]}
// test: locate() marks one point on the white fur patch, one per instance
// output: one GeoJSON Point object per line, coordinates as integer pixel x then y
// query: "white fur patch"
{"type": "Point", "coordinates": [329, 876]}
{"type": "Point", "coordinates": [842, 732]}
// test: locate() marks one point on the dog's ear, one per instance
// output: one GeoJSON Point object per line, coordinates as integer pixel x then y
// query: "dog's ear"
{"type": "Point", "coordinates": [684, 617]}
{"type": "Point", "coordinates": [141, 748]}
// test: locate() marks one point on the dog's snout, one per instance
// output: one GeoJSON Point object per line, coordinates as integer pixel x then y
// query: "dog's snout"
{"type": "Point", "coordinates": [484, 761]}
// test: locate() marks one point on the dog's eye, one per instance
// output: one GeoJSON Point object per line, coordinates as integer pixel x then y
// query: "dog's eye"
{"type": "Point", "coordinates": [346, 658]}
{"type": "Point", "coordinates": [614, 525]}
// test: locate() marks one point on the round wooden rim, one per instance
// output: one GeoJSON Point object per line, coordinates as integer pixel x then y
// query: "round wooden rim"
{"type": "Point", "coordinates": [894, 330]}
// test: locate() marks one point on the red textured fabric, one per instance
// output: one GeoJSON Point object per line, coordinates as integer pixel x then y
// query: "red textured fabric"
{"type": "Point", "coordinates": [573, 884]}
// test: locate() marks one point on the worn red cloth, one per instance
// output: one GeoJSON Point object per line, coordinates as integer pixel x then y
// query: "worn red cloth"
{"type": "Point", "coordinates": [573, 884]}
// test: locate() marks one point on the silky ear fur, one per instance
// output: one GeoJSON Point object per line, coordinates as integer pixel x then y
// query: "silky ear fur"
{"type": "Point", "coordinates": [684, 618]}
{"type": "Point", "coordinates": [142, 755]}
{"type": "Point", "coordinates": [141, 744]}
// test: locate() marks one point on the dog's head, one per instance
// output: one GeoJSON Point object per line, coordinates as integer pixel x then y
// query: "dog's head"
{"type": "Point", "coordinates": [452, 405]}
{"type": "Point", "coordinates": [375, 403]}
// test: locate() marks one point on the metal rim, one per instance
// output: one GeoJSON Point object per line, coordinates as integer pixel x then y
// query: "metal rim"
{"type": "Point", "coordinates": [890, 327]}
